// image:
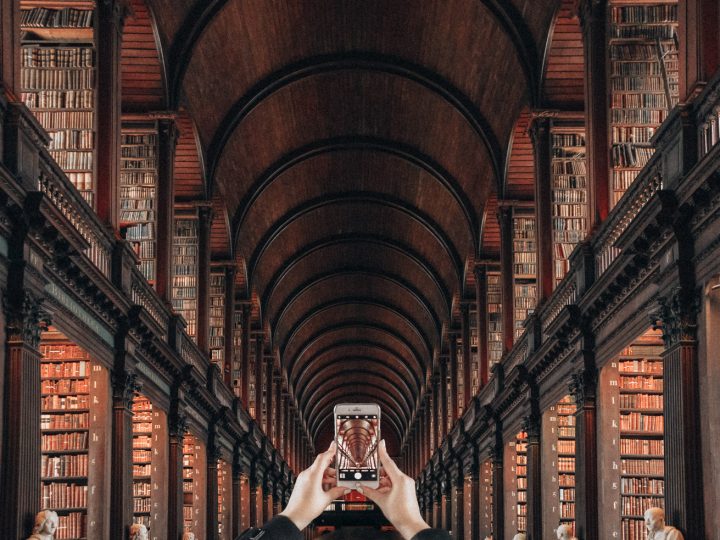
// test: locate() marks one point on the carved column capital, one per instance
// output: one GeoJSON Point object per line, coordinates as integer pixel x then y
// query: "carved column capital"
{"type": "Point", "coordinates": [26, 318]}
{"type": "Point", "coordinates": [531, 425]}
{"type": "Point", "coordinates": [582, 386]}
{"type": "Point", "coordinates": [124, 384]}
{"type": "Point", "coordinates": [677, 315]}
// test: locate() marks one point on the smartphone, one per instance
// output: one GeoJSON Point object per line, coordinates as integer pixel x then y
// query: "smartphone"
{"type": "Point", "coordinates": [357, 434]}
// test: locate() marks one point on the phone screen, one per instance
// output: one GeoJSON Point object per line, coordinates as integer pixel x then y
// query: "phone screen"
{"type": "Point", "coordinates": [357, 437]}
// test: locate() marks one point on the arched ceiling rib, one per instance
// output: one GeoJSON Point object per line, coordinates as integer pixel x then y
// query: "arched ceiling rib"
{"type": "Point", "coordinates": [356, 146]}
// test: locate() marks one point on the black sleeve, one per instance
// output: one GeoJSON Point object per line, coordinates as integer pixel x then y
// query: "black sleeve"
{"type": "Point", "coordinates": [432, 534]}
{"type": "Point", "coordinates": [278, 528]}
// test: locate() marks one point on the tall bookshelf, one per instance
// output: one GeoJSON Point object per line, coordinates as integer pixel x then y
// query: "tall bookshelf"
{"type": "Point", "coordinates": [569, 196]}
{"type": "Point", "coordinates": [185, 271]}
{"type": "Point", "coordinates": [252, 387]}
{"type": "Point", "coordinates": [474, 351]}
{"type": "Point", "coordinates": [494, 319]}
{"type": "Point", "coordinates": [566, 460]}
{"type": "Point", "coordinates": [192, 489]}
{"type": "Point", "coordinates": [521, 474]}
{"type": "Point", "coordinates": [236, 368]}
{"type": "Point", "coordinates": [224, 499]}
{"type": "Point", "coordinates": [138, 191]}
{"type": "Point", "coordinates": [524, 266]}
{"type": "Point", "coordinates": [486, 499]}
{"type": "Point", "coordinates": [644, 77]}
{"type": "Point", "coordinates": [65, 432]}
{"type": "Point", "coordinates": [460, 380]}
{"type": "Point", "coordinates": [58, 83]}
{"type": "Point", "coordinates": [632, 396]}
{"type": "Point", "coordinates": [217, 318]}
{"type": "Point", "coordinates": [142, 447]}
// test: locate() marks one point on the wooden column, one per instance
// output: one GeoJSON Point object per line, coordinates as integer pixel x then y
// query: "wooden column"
{"type": "Point", "coordinates": [531, 426]}
{"type": "Point", "coordinates": [10, 46]}
{"type": "Point", "coordinates": [211, 493]}
{"type": "Point", "coordinates": [583, 389]}
{"type": "Point", "coordinates": [230, 271]}
{"type": "Point", "coordinates": [474, 474]}
{"type": "Point", "coordinates": [205, 213]}
{"type": "Point", "coordinates": [167, 143]}
{"type": "Point", "coordinates": [285, 448]}
{"type": "Point", "coordinates": [177, 426]}
{"type": "Point", "coordinates": [542, 151]}
{"type": "Point", "coordinates": [246, 314]}
{"type": "Point", "coordinates": [699, 45]}
{"type": "Point", "coordinates": [20, 494]}
{"type": "Point", "coordinates": [255, 492]}
{"type": "Point", "coordinates": [447, 523]}
{"type": "Point", "coordinates": [458, 512]}
{"type": "Point", "coordinates": [443, 398]}
{"type": "Point", "coordinates": [498, 495]}
{"type": "Point", "coordinates": [269, 364]}
{"type": "Point", "coordinates": [467, 361]}
{"type": "Point", "coordinates": [124, 386]}
{"type": "Point", "coordinates": [506, 276]}
{"type": "Point", "coordinates": [108, 40]}
{"type": "Point", "coordinates": [453, 378]}
{"type": "Point", "coordinates": [427, 427]}
{"type": "Point", "coordinates": [593, 15]}
{"type": "Point", "coordinates": [438, 505]}
{"type": "Point", "coordinates": [684, 506]}
{"type": "Point", "coordinates": [259, 364]}
{"type": "Point", "coordinates": [482, 324]}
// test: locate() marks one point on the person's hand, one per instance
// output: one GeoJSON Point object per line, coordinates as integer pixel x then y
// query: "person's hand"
{"type": "Point", "coordinates": [396, 497]}
{"type": "Point", "coordinates": [309, 497]}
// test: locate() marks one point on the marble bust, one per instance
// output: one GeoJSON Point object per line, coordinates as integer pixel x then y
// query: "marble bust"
{"type": "Point", "coordinates": [564, 532]}
{"type": "Point", "coordinates": [188, 536]}
{"type": "Point", "coordinates": [138, 531]}
{"type": "Point", "coordinates": [520, 536]}
{"type": "Point", "coordinates": [657, 530]}
{"type": "Point", "coordinates": [46, 523]}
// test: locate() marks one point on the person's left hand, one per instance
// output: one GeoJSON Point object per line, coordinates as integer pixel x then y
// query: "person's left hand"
{"type": "Point", "coordinates": [309, 497]}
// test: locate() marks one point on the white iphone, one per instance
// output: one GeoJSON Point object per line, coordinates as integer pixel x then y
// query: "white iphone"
{"type": "Point", "coordinates": [357, 434]}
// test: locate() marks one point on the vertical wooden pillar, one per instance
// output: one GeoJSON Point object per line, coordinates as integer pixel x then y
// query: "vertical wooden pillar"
{"type": "Point", "coordinates": [237, 494]}
{"type": "Point", "coordinates": [177, 426]}
{"type": "Point", "coordinates": [443, 398]}
{"type": "Point", "coordinates": [124, 386]}
{"type": "Point", "coordinates": [255, 492]}
{"type": "Point", "coordinates": [458, 511]}
{"type": "Point", "coordinates": [20, 494]}
{"type": "Point", "coordinates": [684, 506]}
{"type": "Point", "coordinates": [498, 494]}
{"type": "Point", "coordinates": [467, 361]}
{"type": "Point", "coordinates": [205, 213]}
{"type": "Point", "coordinates": [447, 523]}
{"type": "Point", "coordinates": [211, 493]}
{"type": "Point", "coordinates": [452, 346]}
{"type": "Point", "coordinates": [246, 315]}
{"type": "Point", "coordinates": [167, 143]}
{"type": "Point", "coordinates": [594, 27]}
{"type": "Point", "coordinates": [542, 151]}
{"type": "Point", "coordinates": [260, 417]}
{"type": "Point", "coordinates": [427, 431]}
{"type": "Point", "coordinates": [583, 389]}
{"type": "Point", "coordinates": [269, 361]}
{"type": "Point", "coordinates": [285, 447]}
{"type": "Point", "coordinates": [474, 474]}
{"type": "Point", "coordinates": [437, 504]}
{"type": "Point", "coordinates": [482, 325]}
{"type": "Point", "coordinates": [230, 271]}
{"type": "Point", "coordinates": [108, 41]}
{"type": "Point", "coordinates": [531, 426]}
{"type": "Point", "coordinates": [699, 44]}
{"type": "Point", "coordinates": [506, 276]}
{"type": "Point", "coordinates": [10, 46]}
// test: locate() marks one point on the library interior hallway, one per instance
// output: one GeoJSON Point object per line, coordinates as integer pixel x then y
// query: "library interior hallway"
{"type": "Point", "coordinates": [497, 220]}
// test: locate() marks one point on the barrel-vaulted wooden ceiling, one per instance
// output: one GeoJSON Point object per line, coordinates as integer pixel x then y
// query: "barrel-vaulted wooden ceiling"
{"type": "Point", "coordinates": [355, 146]}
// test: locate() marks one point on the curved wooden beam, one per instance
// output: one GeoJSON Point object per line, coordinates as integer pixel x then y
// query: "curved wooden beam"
{"type": "Point", "coordinates": [338, 144]}
{"type": "Point", "coordinates": [364, 197]}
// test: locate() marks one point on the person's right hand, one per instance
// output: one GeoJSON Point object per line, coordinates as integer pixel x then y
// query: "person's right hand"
{"type": "Point", "coordinates": [396, 497]}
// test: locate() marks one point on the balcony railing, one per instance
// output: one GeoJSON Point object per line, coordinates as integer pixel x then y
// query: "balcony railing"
{"type": "Point", "coordinates": [708, 118]}
{"type": "Point", "coordinates": [142, 294]}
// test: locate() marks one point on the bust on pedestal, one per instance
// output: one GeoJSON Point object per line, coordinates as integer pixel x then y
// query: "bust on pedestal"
{"type": "Point", "coordinates": [520, 536]}
{"type": "Point", "coordinates": [564, 532]}
{"type": "Point", "coordinates": [188, 536]}
{"type": "Point", "coordinates": [657, 530]}
{"type": "Point", "coordinates": [138, 531]}
{"type": "Point", "coordinates": [46, 523]}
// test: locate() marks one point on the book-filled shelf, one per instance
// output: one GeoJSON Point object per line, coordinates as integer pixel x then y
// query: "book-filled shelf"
{"type": "Point", "coordinates": [74, 397]}
{"type": "Point", "coordinates": [460, 380]}
{"type": "Point", "coordinates": [494, 319]}
{"type": "Point", "coordinates": [644, 76]}
{"type": "Point", "coordinates": [138, 191]}
{"type": "Point", "coordinates": [558, 439]}
{"type": "Point", "coordinates": [486, 499]}
{"type": "Point", "coordinates": [524, 235]}
{"type": "Point", "coordinates": [253, 407]}
{"type": "Point", "coordinates": [632, 397]}
{"type": "Point", "coordinates": [58, 83]}
{"type": "Point", "coordinates": [185, 270]}
{"type": "Point", "coordinates": [193, 485]}
{"type": "Point", "coordinates": [142, 450]}
{"type": "Point", "coordinates": [569, 196]}
{"type": "Point", "coordinates": [515, 480]}
{"type": "Point", "coordinates": [224, 499]}
{"type": "Point", "coordinates": [474, 350]}
{"type": "Point", "coordinates": [216, 324]}
{"type": "Point", "coordinates": [236, 366]}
